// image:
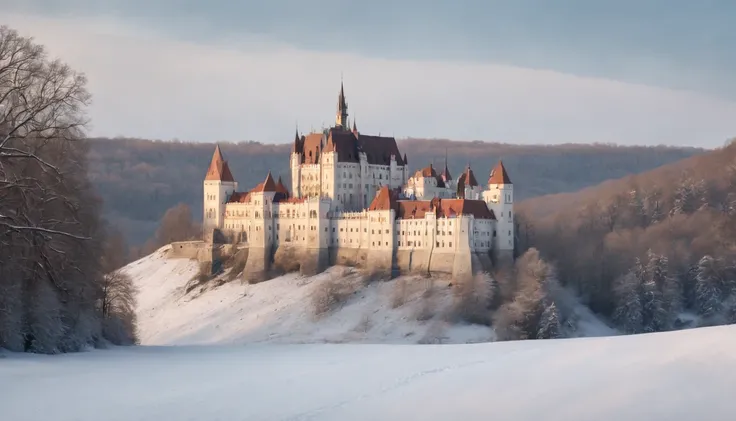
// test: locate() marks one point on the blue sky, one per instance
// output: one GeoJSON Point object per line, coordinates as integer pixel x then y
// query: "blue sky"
{"type": "Point", "coordinates": [515, 71]}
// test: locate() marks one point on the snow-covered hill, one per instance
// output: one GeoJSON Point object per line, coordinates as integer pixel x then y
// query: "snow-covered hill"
{"type": "Point", "coordinates": [280, 310]}
{"type": "Point", "coordinates": [678, 376]}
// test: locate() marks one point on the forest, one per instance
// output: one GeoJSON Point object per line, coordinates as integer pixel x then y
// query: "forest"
{"type": "Point", "coordinates": [139, 180]}
{"type": "Point", "coordinates": [649, 252]}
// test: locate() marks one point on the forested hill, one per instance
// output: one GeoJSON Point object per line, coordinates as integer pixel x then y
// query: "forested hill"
{"type": "Point", "coordinates": [140, 179]}
{"type": "Point", "coordinates": [646, 249]}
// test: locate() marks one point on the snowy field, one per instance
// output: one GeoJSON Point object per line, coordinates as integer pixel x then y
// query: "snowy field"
{"type": "Point", "coordinates": [687, 375]}
{"type": "Point", "coordinates": [280, 311]}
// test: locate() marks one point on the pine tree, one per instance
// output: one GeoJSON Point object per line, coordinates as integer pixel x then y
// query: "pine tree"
{"type": "Point", "coordinates": [708, 292]}
{"type": "Point", "coordinates": [662, 296]}
{"type": "Point", "coordinates": [653, 311]}
{"type": "Point", "coordinates": [628, 315]}
{"type": "Point", "coordinates": [549, 323]}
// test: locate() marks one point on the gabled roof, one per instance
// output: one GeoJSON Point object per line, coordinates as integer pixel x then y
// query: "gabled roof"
{"type": "Point", "coordinates": [348, 145]}
{"type": "Point", "coordinates": [219, 170]}
{"type": "Point", "coordinates": [384, 200]}
{"type": "Point", "coordinates": [468, 178]}
{"type": "Point", "coordinates": [267, 186]}
{"type": "Point", "coordinates": [454, 207]}
{"type": "Point", "coordinates": [499, 175]}
{"type": "Point", "coordinates": [239, 197]}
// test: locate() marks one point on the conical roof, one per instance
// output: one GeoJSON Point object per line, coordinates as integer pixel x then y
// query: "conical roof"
{"type": "Point", "coordinates": [499, 175]}
{"type": "Point", "coordinates": [219, 170]}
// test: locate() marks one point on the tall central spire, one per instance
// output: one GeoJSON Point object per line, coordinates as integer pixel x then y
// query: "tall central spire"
{"type": "Point", "coordinates": [342, 109]}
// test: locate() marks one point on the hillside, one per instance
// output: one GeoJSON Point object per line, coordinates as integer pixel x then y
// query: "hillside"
{"type": "Point", "coordinates": [664, 238]}
{"type": "Point", "coordinates": [139, 180]}
{"type": "Point", "coordinates": [677, 376]}
{"type": "Point", "coordinates": [281, 310]}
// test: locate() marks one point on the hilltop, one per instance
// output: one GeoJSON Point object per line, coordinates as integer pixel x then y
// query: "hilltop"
{"type": "Point", "coordinates": [224, 311]}
{"type": "Point", "coordinates": [139, 179]}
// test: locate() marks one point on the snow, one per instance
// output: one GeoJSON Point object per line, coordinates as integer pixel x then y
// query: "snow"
{"type": "Point", "coordinates": [280, 311]}
{"type": "Point", "coordinates": [686, 375]}
{"type": "Point", "coordinates": [266, 359]}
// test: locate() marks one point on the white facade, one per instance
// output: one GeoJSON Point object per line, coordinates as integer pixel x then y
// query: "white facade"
{"type": "Point", "coordinates": [347, 193]}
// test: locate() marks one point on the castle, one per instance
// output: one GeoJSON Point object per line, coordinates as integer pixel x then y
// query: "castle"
{"type": "Point", "coordinates": [355, 202]}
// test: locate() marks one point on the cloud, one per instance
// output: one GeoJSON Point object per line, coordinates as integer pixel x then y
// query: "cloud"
{"type": "Point", "coordinates": [149, 84]}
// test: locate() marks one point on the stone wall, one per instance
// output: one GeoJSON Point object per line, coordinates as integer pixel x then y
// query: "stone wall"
{"type": "Point", "coordinates": [196, 250]}
{"type": "Point", "coordinates": [258, 265]}
{"type": "Point", "coordinates": [307, 261]}
{"type": "Point", "coordinates": [263, 263]}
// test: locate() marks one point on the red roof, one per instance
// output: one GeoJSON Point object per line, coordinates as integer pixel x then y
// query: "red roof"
{"type": "Point", "coordinates": [468, 178]}
{"type": "Point", "coordinates": [219, 170]}
{"type": "Point", "coordinates": [453, 207]}
{"type": "Point", "coordinates": [499, 175]}
{"type": "Point", "coordinates": [239, 197]}
{"type": "Point", "coordinates": [267, 186]}
{"type": "Point", "coordinates": [409, 209]}
{"type": "Point", "coordinates": [385, 200]}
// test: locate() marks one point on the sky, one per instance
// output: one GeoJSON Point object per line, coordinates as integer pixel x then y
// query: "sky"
{"type": "Point", "coordinates": [627, 72]}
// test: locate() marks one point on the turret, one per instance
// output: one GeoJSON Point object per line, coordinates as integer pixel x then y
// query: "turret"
{"type": "Point", "coordinates": [500, 199]}
{"type": "Point", "coordinates": [297, 152]}
{"type": "Point", "coordinates": [219, 185]}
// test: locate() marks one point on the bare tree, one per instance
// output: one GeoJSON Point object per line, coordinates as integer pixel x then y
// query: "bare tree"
{"type": "Point", "coordinates": [118, 306]}
{"type": "Point", "coordinates": [51, 235]}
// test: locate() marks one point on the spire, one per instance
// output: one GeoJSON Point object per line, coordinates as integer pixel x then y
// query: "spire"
{"type": "Point", "coordinates": [297, 146]}
{"type": "Point", "coordinates": [342, 109]}
{"type": "Point", "coordinates": [406, 161]}
{"type": "Point", "coordinates": [355, 126]}
{"type": "Point", "coordinates": [218, 170]}
{"type": "Point", "coordinates": [446, 172]}
{"type": "Point", "coordinates": [499, 175]}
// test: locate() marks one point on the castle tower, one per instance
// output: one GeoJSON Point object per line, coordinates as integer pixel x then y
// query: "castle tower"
{"type": "Point", "coordinates": [341, 119]}
{"type": "Point", "coordinates": [219, 184]}
{"type": "Point", "coordinates": [500, 199]}
{"type": "Point", "coordinates": [297, 151]}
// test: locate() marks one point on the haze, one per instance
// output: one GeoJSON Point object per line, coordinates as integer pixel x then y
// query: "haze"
{"type": "Point", "coordinates": [522, 72]}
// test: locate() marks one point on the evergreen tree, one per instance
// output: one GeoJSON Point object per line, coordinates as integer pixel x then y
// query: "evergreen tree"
{"type": "Point", "coordinates": [549, 323]}
{"type": "Point", "coordinates": [654, 315]}
{"type": "Point", "coordinates": [628, 314]}
{"type": "Point", "coordinates": [708, 291]}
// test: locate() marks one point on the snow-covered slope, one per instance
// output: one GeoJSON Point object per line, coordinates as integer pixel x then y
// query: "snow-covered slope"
{"type": "Point", "coordinates": [678, 376]}
{"type": "Point", "coordinates": [280, 310]}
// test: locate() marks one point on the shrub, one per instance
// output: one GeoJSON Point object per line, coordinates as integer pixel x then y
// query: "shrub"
{"type": "Point", "coordinates": [472, 299]}
{"type": "Point", "coordinates": [329, 295]}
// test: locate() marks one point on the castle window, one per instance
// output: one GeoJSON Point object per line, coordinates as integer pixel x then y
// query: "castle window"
{"type": "Point", "coordinates": [386, 231]}
{"type": "Point", "coordinates": [450, 243]}
{"type": "Point", "coordinates": [387, 242]}
{"type": "Point", "coordinates": [438, 244]}
{"type": "Point", "coordinates": [374, 243]}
